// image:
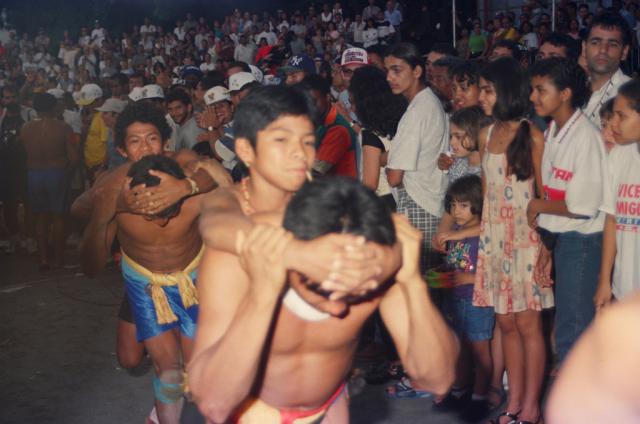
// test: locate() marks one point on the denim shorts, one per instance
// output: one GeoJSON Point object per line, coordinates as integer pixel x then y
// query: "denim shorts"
{"type": "Point", "coordinates": [472, 323]}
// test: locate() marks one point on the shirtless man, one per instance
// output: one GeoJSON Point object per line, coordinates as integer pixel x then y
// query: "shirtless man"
{"type": "Point", "coordinates": [256, 360]}
{"type": "Point", "coordinates": [160, 255]}
{"type": "Point", "coordinates": [51, 154]}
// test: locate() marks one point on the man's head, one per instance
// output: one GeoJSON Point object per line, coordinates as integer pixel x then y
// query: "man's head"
{"type": "Point", "coordinates": [139, 174]}
{"type": "Point", "coordinates": [89, 95]}
{"type": "Point", "coordinates": [438, 51]}
{"type": "Point", "coordinates": [440, 78]}
{"type": "Point", "coordinates": [505, 48]}
{"type": "Point", "coordinates": [559, 45]}
{"type": "Point", "coordinates": [351, 60]}
{"type": "Point", "coordinates": [607, 44]}
{"type": "Point", "coordinates": [141, 130]}
{"type": "Point", "coordinates": [110, 110]}
{"type": "Point", "coordinates": [219, 99]}
{"type": "Point", "coordinates": [240, 84]}
{"type": "Point", "coordinates": [179, 106]}
{"type": "Point", "coordinates": [319, 88]}
{"type": "Point", "coordinates": [235, 67]}
{"type": "Point", "coordinates": [297, 68]}
{"type": "Point", "coordinates": [10, 97]}
{"type": "Point", "coordinates": [45, 104]}
{"type": "Point", "coordinates": [336, 205]}
{"type": "Point", "coordinates": [275, 135]}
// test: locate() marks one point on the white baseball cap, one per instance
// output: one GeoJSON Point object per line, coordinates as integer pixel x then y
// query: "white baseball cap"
{"type": "Point", "coordinates": [354, 55]}
{"type": "Point", "coordinates": [216, 94]}
{"type": "Point", "coordinates": [257, 73]}
{"type": "Point", "coordinates": [88, 94]}
{"type": "Point", "coordinates": [152, 91]}
{"type": "Point", "coordinates": [136, 94]}
{"type": "Point", "coordinates": [112, 105]}
{"type": "Point", "coordinates": [58, 93]}
{"type": "Point", "coordinates": [239, 80]}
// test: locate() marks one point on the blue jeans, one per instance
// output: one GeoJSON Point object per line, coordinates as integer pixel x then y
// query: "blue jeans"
{"type": "Point", "coordinates": [577, 264]}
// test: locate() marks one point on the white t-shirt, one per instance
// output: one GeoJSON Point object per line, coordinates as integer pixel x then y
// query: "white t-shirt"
{"type": "Point", "coordinates": [604, 93]}
{"type": "Point", "coordinates": [423, 133]}
{"type": "Point", "coordinates": [622, 200]}
{"type": "Point", "coordinates": [573, 168]}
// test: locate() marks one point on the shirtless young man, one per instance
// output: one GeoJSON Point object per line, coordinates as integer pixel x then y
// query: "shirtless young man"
{"type": "Point", "coordinates": [258, 358]}
{"type": "Point", "coordinates": [160, 256]}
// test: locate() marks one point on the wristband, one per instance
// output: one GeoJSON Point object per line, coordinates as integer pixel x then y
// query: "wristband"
{"type": "Point", "coordinates": [210, 128]}
{"type": "Point", "coordinates": [194, 186]}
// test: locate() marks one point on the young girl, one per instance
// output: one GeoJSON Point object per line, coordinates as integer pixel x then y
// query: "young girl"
{"type": "Point", "coordinates": [511, 151]}
{"type": "Point", "coordinates": [606, 114]}
{"type": "Point", "coordinates": [621, 240]}
{"type": "Point", "coordinates": [568, 217]}
{"type": "Point", "coordinates": [474, 325]}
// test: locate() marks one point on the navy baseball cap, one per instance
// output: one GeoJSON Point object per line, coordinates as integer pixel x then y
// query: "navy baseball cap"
{"type": "Point", "coordinates": [301, 62]}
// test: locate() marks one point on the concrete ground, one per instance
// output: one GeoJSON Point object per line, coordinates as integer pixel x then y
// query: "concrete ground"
{"type": "Point", "coordinates": [58, 363]}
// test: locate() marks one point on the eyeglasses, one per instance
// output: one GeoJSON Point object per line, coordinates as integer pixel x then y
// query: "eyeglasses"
{"type": "Point", "coordinates": [346, 71]}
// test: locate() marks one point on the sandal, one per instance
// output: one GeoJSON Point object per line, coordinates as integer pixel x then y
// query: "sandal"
{"type": "Point", "coordinates": [403, 390]}
{"type": "Point", "coordinates": [512, 415]}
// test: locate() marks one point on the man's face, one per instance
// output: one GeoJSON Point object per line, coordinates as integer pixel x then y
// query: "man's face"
{"type": "Point", "coordinates": [179, 111]}
{"type": "Point", "coordinates": [431, 58]}
{"type": "Point", "coordinates": [321, 101]}
{"type": "Point", "coordinates": [583, 12]}
{"type": "Point", "coordinates": [500, 52]}
{"type": "Point", "coordinates": [141, 140]}
{"type": "Point", "coordinates": [347, 72]}
{"type": "Point", "coordinates": [548, 50]}
{"type": "Point", "coordinates": [400, 75]}
{"type": "Point", "coordinates": [294, 77]}
{"type": "Point", "coordinates": [8, 98]}
{"type": "Point", "coordinates": [441, 82]}
{"type": "Point", "coordinates": [223, 110]}
{"type": "Point", "coordinates": [604, 50]}
{"type": "Point", "coordinates": [109, 118]}
{"type": "Point", "coordinates": [135, 82]}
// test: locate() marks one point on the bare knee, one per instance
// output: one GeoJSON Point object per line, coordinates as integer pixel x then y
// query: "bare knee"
{"type": "Point", "coordinates": [507, 324]}
{"type": "Point", "coordinates": [129, 351]}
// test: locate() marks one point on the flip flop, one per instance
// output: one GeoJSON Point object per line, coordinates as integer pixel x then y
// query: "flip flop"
{"type": "Point", "coordinates": [403, 391]}
{"type": "Point", "coordinates": [512, 415]}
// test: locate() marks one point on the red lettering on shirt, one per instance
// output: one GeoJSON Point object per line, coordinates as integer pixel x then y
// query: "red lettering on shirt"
{"type": "Point", "coordinates": [562, 174]}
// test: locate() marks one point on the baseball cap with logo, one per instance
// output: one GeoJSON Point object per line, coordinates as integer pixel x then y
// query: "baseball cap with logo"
{"type": "Point", "coordinates": [112, 105]}
{"type": "Point", "coordinates": [354, 55]}
{"type": "Point", "coordinates": [88, 94]}
{"type": "Point", "coordinates": [301, 62]}
{"type": "Point", "coordinates": [257, 73]}
{"type": "Point", "coordinates": [216, 94]}
{"type": "Point", "coordinates": [239, 80]}
{"type": "Point", "coordinates": [152, 91]}
{"type": "Point", "coordinates": [136, 94]}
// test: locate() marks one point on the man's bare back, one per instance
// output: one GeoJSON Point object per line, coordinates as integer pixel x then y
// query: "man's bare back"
{"type": "Point", "coordinates": [48, 143]}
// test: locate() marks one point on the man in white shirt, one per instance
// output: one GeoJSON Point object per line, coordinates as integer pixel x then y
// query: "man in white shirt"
{"type": "Point", "coordinates": [607, 44]}
{"type": "Point", "coordinates": [148, 28]}
{"type": "Point", "coordinates": [267, 34]}
{"type": "Point", "coordinates": [244, 51]}
{"type": "Point", "coordinates": [181, 112]}
{"type": "Point", "coordinates": [179, 31]}
{"type": "Point", "coordinates": [371, 11]}
{"type": "Point", "coordinates": [98, 34]}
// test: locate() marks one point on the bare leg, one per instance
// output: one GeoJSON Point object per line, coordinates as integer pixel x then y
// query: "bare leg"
{"type": "Point", "coordinates": [165, 354]}
{"type": "Point", "coordinates": [42, 236]}
{"type": "Point", "coordinates": [497, 359]}
{"type": "Point", "coordinates": [514, 361]}
{"type": "Point", "coordinates": [530, 327]}
{"type": "Point", "coordinates": [482, 362]}
{"type": "Point", "coordinates": [130, 351]}
{"type": "Point", "coordinates": [58, 240]}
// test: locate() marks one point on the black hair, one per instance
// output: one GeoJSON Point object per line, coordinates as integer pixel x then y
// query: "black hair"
{"type": "Point", "coordinates": [264, 105]}
{"type": "Point", "coordinates": [466, 189]}
{"type": "Point", "coordinates": [339, 205]}
{"type": "Point", "coordinates": [378, 109]}
{"type": "Point", "coordinates": [376, 49]}
{"type": "Point", "coordinates": [120, 78]}
{"type": "Point", "coordinates": [564, 73]}
{"type": "Point", "coordinates": [631, 91]}
{"type": "Point", "coordinates": [409, 53]}
{"type": "Point", "coordinates": [140, 112]}
{"type": "Point", "coordinates": [465, 71]}
{"type": "Point", "coordinates": [611, 21]}
{"type": "Point", "coordinates": [317, 83]}
{"type": "Point", "coordinates": [238, 64]}
{"type": "Point", "coordinates": [606, 110]}
{"type": "Point", "coordinates": [44, 102]}
{"type": "Point", "coordinates": [512, 46]}
{"type": "Point", "coordinates": [138, 75]}
{"type": "Point", "coordinates": [178, 94]}
{"type": "Point", "coordinates": [512, 103]}
{"type": "Point", "coordinates": [212, 79]}
{"type": "Point", "coordinates": [572, 47]}
{"type": "Point", "coordinates": [446, 49]}
{"type": "Point", "coordinates": [471, 120]}
{"type": "Point", "coordinates": [139, 173]}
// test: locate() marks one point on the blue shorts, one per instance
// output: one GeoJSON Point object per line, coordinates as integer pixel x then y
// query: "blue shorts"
{"type": "Point", "coordinates": [48, 190]}
{"type": "Point", "coordinates": [472, 323]}
{"type": "Point", "coordinates": [144, 312]}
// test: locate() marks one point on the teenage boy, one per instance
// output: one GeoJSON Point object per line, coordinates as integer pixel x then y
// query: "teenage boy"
{"type": "Point", "coordinates": [311, 337]}
{"type": "Point", "coordinates": [160, 254]}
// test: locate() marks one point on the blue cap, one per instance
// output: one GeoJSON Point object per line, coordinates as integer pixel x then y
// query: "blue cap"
{"type": "Point", "coordinates": [301, 62]}
{"type": "Point", "coordinates": [190, 70]}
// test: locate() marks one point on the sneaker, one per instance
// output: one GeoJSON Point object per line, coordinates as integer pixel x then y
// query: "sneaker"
{"type": "Point", "coordinates": [475, 411]}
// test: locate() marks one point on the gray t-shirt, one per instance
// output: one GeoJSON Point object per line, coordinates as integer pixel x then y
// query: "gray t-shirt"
{"type": "Point", "coordinates": [423, 134]}
{"type": "Point", "coordinates": [187, 134]}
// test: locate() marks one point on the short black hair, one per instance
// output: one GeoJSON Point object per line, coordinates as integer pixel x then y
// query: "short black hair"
{"type": "Point", "coordinates": [44, 102]}
{"type": "Point", "coordinates": [606, 110]}
{"type": "Point", "coordinates": [317, 83]}
{"type": "Point", "coordinates": [178, 94]}
{"type": "Point", "coordinates": [239, 64]}
{"type": "Point", "coordinates": [564, 73]}
{"type": "Point", "coordinates": [446, 49]}
{"type": "Point", "coordinates": [571, 46]}
{"type": "Point", "coordinates": [610, 21]}
{"type": "Point", "coordinates": [512, 46]}
{"type": "Point", "coordinates": [139, 173]}
{"type": "Point", "coordinates": [212, 79]}
{"type": "Point", "coordinates": [466, 71]}
{"type": "Point", "coordinates": [466, 189]}
{"type": "Point", "coordinates": [449, 62]}
{"type": "Point", "coordinates": [631, 91]}
{"type": "Point", "coordinates": [144, 113]}
{"type": "Point", "coordinates": [409, 53]}
{"type": "Point", "coordinates": [264, 105]}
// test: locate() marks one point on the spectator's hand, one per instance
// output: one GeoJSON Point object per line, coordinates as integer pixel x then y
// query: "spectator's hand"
{"type": "Point", "coordinates": [532, 215]}
{"type": "Point", "coordinates": [411, 240]}
{"type": "Point", "coordinates": [542, 271]}
{"type": "Point", "coordinates": [603, 295]}
{"type": "Point", "coordinates": [207, 118]}
{"type": "Point", "coordinates": [437, 245]}
{"type": "Point", "coordinates": [444, 162]}
{"type": "Point", "coordinates": [217, 172]}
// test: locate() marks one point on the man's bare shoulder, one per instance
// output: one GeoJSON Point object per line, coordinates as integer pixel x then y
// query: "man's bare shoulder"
{"type": "Point", "coordinates": [229, 196]}
{"type": "Point", "coordinates": [183, 157]}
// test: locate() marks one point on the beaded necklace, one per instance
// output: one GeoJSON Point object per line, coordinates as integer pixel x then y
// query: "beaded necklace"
{"type": "Point", "coordinates": [247, 197]}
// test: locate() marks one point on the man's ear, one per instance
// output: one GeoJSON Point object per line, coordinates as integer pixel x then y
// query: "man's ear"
{"type": "Point", "coordinates": [245, 151]}
{"type": "Point", "coordinates": [122, 152]}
